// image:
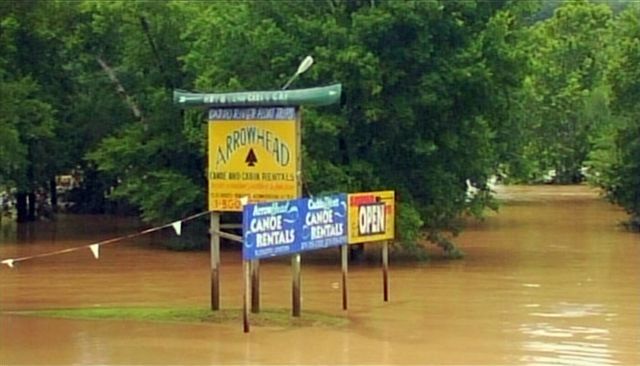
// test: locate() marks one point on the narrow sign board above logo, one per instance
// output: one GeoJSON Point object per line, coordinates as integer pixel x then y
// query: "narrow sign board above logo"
{"type": "Point", "coordinates": [287, 227]}
{"type": "Point", "coordinates": [252, 153]}
{"type": "Point", "coordinates": [323, 95]}
{"type": "Point", "coordinates": [371, 216]}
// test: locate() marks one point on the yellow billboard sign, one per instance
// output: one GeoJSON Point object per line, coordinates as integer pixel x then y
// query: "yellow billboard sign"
{"type": "Point", "coordinates": [253, 153]}
{"type": "Point", "coordinates": [371, 216]}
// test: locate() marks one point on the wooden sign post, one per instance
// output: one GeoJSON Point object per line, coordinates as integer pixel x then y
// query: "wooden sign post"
{"type": "Point", "coordinates": [344, 254]}
{"type": "Point", "coordinates": [246, 271]}
{"type": "Point", "coordinates": [385, 270]}
{"type": "Point", "coordinates": [215, 260]}
{"type": "Point", "coordinates": [255, 286]}
{"type": "Point", "coordinates": [296, 295]}
{"type": "Point", "coordinates": [295, 285]}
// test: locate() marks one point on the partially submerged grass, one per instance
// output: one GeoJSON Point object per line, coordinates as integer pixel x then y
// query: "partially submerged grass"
{"type": "Point", "coordinates": [267, 317]}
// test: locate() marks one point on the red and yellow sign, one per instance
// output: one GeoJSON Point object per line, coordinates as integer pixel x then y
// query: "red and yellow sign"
{"type": "Point", "coordinates": [252, 153]}
{"type": "Point", "coordinates": [371, 216]}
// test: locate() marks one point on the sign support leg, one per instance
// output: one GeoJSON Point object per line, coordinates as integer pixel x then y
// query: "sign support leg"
{"type": "Point", "coordinates": [344, 252]}
{"type": "Point", "coordinates": [255, 286]}
{"type": "Point", "coordinates": [247, 289]}
{"type": "Point", "coordinates": [385, 269]}
{"type": "Point", "coordinates": [295, 288]}
{"type": "Point", "coordinates": [295, 259]}
{"type": "Point", "coordinates": [215, 260]}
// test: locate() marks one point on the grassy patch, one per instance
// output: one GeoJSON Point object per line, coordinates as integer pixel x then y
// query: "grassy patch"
{"type": "Point", "coordinates": [267, 317]}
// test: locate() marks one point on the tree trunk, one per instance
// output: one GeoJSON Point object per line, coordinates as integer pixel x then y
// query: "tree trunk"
{"type": "Point", "coordinates": [133, 106]}
{"type": "Point", "coordinates": [32, 206]}
{"type": "Point", "coordinates": [152, 44]}
{"type": "Point", "coordinates": [54, 194]}
{"type": "Point", "coordinates": [356, 252]}
{"type": "Point", "coordinates": [21, 207]}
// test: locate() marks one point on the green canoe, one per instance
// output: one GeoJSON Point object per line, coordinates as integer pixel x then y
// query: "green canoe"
{"type": "Point", "coordinates": [324, 95]}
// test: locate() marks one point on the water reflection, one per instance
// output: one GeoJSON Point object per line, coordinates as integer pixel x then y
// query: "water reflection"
{"type": "Point", "coordinates": [568, 353]}
{"type": "Point", "coordinates": [569, 310]}
{"type": "Point", "coordinates": [571, 339]}
{"type": "Point", "coordinates": [549, 280]}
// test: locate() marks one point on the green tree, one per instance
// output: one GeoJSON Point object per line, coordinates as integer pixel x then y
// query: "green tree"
{"type": "Point", "coordinates": [155, 163]}
{"type": "Point", "coordinates": [616, 160]}
{"type": "Point", "coordinates": [30, 84]}
{"type": "Point", "coordinates": [420, 106]}
{"type": "Point", "coordinates": [568, 59]}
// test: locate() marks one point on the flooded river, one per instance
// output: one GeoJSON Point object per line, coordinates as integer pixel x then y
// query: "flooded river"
{"type": "Point", "coordinates": [549, 280]}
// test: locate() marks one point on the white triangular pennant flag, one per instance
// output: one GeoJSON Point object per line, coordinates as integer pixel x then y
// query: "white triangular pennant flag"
{"type": "Point", "coordinates": [177, 226]}
{"type": "Point", "coordinates": [95, 249]}
{"type": "Point", "coordinates": [244, 200]}
{"type": "Point", "coordinates": [8, 262]}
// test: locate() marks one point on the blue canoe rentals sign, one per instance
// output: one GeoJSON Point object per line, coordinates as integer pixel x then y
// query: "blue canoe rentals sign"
{"type": "Point", "coordinates": [288, 227]}
{"type": "Point", "coordinates": [324, 222]}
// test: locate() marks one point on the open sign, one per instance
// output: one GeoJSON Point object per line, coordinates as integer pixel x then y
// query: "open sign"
{"type": "Point", "coordinates": [371, 219]}
{"type": "Point", "coordinates": [371, 216]}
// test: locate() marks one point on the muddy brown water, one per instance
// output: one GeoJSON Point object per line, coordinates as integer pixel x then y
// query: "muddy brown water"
{"type": "Point", "coordinates": [549, 280]}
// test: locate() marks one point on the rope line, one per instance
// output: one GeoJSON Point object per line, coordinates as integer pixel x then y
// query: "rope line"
{"type": "Point", "coordinates": [11, 261]}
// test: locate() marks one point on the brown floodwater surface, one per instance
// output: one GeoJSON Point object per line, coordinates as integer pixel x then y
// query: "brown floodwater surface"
{"type": "Point", "coordinates": [549, 280]}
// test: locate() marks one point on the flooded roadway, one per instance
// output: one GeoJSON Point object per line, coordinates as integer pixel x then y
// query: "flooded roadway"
{"type": "Point", "coordinates": [549, 280]}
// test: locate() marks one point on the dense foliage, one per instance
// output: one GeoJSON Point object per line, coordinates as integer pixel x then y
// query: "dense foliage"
{"type": "Point", "coordinates": [616, 158]}
{"type": "Point", "coordinates": [438, 97]}
{"type": "Point", "coordinates": [568, 59]}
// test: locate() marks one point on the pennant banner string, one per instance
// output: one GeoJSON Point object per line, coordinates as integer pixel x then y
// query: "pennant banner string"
{"type": "Point", "coordinates": [10, 261]}
{"type": "Point", "coordinates": [177, 226]}
{"type": "Point", "coordinates": [95, 250]}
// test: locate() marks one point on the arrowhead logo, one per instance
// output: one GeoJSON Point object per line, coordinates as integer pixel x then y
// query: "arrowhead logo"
{"type": "Point", "coordinates": [251, 159]}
